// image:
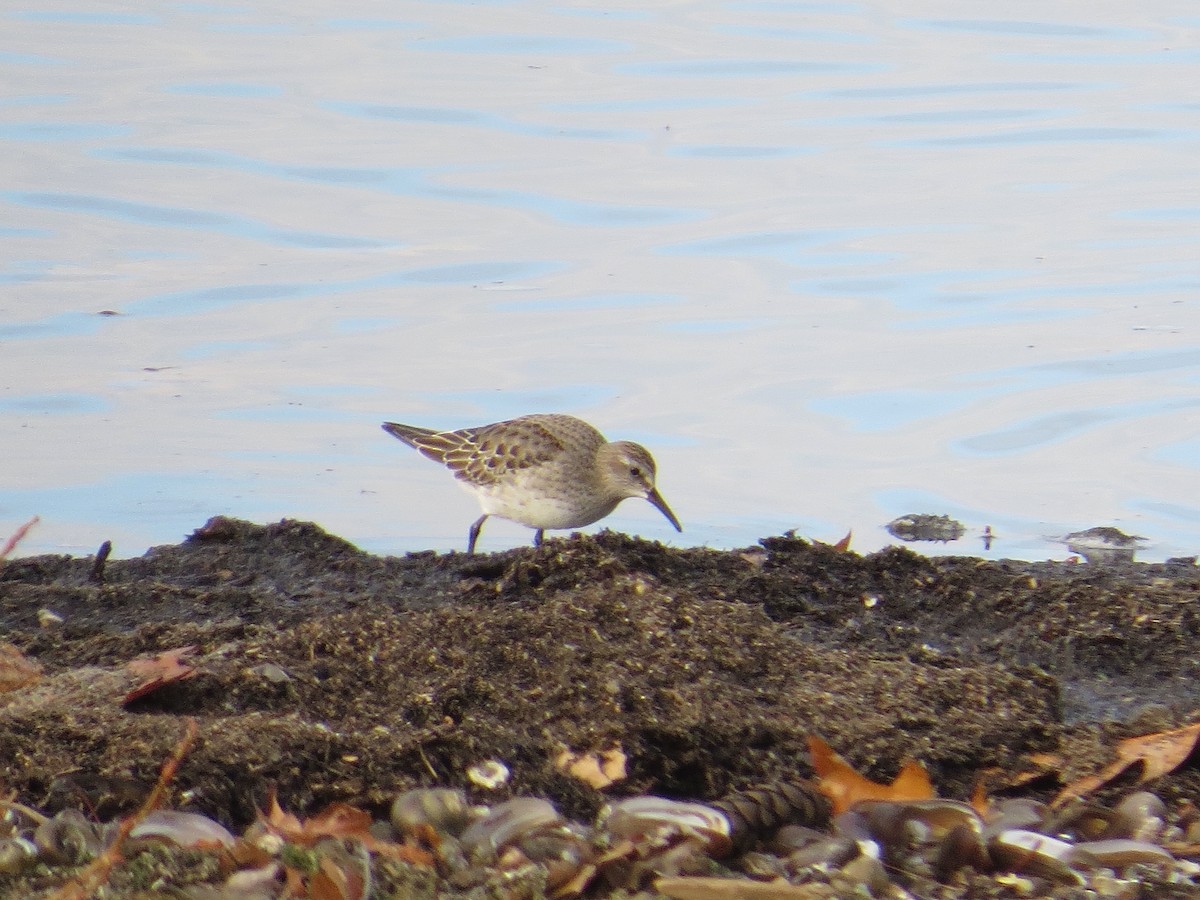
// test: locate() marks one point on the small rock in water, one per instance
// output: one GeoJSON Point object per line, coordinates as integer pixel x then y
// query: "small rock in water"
{"type": "Point", "coordinates": [1103, 545]}
{"type": "Point", "coordinates": [924, 527]}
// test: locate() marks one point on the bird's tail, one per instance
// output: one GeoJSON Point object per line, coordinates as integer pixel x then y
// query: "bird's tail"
{"type": "Point", "coordinates": [410, 434]}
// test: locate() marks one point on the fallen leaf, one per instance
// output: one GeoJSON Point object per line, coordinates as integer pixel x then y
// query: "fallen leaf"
{"type": "Point", "coordinates": [707, 888]}
{"type": "Point", "coordinates": [280, 821]}
{"type": "Point", "coordinates": [845, 787]}
{"type": "Point", "coordinates": [1033, 767]}
{"type": "Point", "coordinates": [596, 769]}
{"type": "Point", "coordinates": [165, 668]}
{"type": "Point", "coordinates": [330, 882]}
{"type": "Point", "coordinates": [338, 820]}
{"type": "Point", "coordinates": [1040, 764]}
{"type": "Point", "coordinates": [1158, 754]}
{"type": "Point", "coordinates": [576, 884]}
{"type": "Point", "coordinates": [842, 546]}
{"type": "Point", "coordinates": [979, 796]}
{"type": "Point", "coordinates": [1182, 849]}
{"type": "Point", "coordinates": [244, 855]}
{"type": "Point", "coordinates": [16, 669]}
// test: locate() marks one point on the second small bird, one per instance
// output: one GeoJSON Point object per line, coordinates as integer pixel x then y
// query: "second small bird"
{"type": "Point", "coordinates": [543, 471]}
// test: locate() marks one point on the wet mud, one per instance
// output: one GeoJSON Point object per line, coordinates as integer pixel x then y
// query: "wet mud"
{"type": "Point", "coordinates": [326, 674]}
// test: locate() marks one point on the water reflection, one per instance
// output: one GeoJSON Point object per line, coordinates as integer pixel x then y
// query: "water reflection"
{"type": "Point", "coordinates": [831, 266]}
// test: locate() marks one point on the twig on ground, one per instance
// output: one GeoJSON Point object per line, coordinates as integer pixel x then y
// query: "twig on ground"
{"type": "Point", "coordinates": [28, 811]}
{"type": "Point", "coordinates": [89, 879]}
{"type": "Point", "coordinates": [96, 575]}
{"type": "Point", "coordinates": [12, 542]}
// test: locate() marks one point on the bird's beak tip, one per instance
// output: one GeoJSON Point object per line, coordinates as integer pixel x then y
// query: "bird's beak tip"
{"type": "Point", "coordinates": [660, 504]}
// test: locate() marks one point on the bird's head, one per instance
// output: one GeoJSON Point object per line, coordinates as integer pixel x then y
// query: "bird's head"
{"type": "Point", "coordinates": [629, 469]}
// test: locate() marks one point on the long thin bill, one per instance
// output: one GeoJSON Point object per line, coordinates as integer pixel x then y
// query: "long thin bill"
{"type": "Point", "coordinates": [660, 504]}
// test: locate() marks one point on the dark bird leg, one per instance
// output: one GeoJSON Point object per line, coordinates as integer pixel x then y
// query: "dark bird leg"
{"type": "Point", "coordinates": [537, 537]}
{"type": "Point", "coordinates": [473, 534]}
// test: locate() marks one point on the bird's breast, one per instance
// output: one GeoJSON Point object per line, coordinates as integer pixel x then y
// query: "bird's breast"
{"type": "Point", "coordinates": [539, 504]}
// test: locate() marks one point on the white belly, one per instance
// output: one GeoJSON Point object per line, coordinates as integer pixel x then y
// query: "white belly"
{"type": "Point", "coordinates": [542, 505]}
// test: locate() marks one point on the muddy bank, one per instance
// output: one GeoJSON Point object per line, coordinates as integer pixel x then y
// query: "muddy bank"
{"type": "Point", "coordinates": [327, 674]}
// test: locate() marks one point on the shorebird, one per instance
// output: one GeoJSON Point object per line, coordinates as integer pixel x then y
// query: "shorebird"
{"type": "Point", "coordinates": [543, 471]}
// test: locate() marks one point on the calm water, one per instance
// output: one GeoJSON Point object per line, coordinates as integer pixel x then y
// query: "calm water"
{"type": "Point", "coordinates": [832, 262]}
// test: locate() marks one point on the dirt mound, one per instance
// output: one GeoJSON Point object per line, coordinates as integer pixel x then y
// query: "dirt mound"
{"type": "Point", "coordinates": [328, 674]}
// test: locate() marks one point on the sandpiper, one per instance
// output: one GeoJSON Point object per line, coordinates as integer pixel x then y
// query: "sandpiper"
{"type": "Point", "coordinates": [544, 471]}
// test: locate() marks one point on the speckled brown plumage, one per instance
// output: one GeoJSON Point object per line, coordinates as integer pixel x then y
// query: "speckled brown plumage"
{"type": "Point", "coordinates": [544, 471]}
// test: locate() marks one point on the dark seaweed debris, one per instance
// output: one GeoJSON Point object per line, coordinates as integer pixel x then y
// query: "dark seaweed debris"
{"type": "Point", "coordinates": [327, 674]}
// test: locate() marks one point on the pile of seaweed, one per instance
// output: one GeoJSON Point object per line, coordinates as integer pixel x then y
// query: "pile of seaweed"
{"type": "Point", "coordinates": [318, 674]}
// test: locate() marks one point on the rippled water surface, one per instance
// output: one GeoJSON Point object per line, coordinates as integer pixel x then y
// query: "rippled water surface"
{"type": "Point", "coordinates": [832, 262]}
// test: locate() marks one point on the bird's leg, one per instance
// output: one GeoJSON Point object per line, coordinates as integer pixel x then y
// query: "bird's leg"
{"type": "Point", "coordinates": [537, 537]}
{"type": "Point", "coordinates": [473, 534]}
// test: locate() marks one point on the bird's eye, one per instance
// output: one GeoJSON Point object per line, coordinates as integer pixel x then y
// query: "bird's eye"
{"type": "Point", "coordinates": [635, 472]}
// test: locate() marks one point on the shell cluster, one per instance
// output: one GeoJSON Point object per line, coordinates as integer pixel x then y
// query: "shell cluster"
{"type": "Point", "coordinates": [1024, 844]}
{"type": "Point", "coordinates": [778, 838]}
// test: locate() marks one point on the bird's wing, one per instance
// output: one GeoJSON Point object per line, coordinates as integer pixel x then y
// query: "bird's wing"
{"type": "Point", "coordinates": [480, 456]}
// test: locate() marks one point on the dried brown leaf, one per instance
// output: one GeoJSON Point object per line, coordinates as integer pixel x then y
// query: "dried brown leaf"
{"type": "Point", "coordinates": [979, 796]}
{"type": "Point", "coordinates": [1033, 767]}
{"type": "Point", "coordinates": [338, 820]}
{"type": "Point", "coordinates": [842, 546]}
{"type": "Point", "coordinates": [703, 888]}
{"type": "Point", "coordinates": [598, 769]}
{"type": "Point", "coordinates": [280, 821]}
{"type": "Point", "coordinates": [16, 669]}
{"type": "Point", "coordinates": [331, 882]}
{"type": "Point", "coordinates": [163, 669]}
{"type": "Point", "coordinates": [1158, 754]}
{"type": "Point", "coordinates": [16, 538]}
{"type": "Point", "coordinates": [844, 786]}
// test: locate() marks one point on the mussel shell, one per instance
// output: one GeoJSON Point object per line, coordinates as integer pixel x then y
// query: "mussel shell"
{"type": "Point", "coordinates": [564, 850]}
{"type": "Point", "coordinates": [639, 817]}
{"type": "Point", "coordinates": [918, 821]}
{"type": "Point", "coordinates": [1117, 853]}
{"type": "Point", "coordinates": [1031, 853]}
{"type": "Point", "coordinates": [865, 871]}
{"type": "Point", "coordinates": [831, 852]}
{"type": "Point", "coordinates": [506, 823]}
{"type": "Point", "coordinates": [16, 855]}
{"type": "Point", "coordinates": [1080, 819]}
{"type": "Point", "coordinates": [69, 839]}
{"type": "Point", "coordinates": [1140, 817]}
{"type": "Point", "coordinates": [186, 829]}
{"type": "Point", "coordinates": [1014, 812]}
{"type": "Point", "coordinates": [960, 848]}
{"type": "Point", "coordinates": [445, 809]}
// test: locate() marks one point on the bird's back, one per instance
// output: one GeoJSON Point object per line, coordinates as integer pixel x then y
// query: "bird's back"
{"type": "Point", "coordinates": [488, 454]}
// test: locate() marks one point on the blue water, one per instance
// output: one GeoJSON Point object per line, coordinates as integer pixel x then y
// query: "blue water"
{"type": "Point", "coordinates": [832, 262]}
